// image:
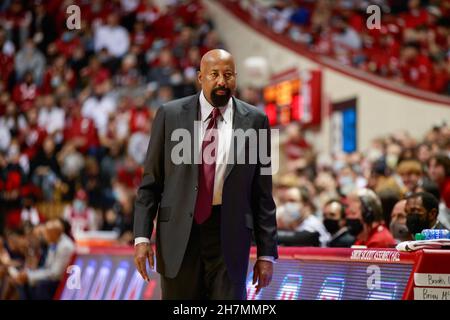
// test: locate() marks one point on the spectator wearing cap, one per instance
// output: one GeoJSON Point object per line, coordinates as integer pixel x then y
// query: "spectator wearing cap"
{"type": "Point", "coordinates": [334, 222]}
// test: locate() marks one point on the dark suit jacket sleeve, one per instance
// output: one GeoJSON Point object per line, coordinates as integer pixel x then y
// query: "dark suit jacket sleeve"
{"type": "Point", "coordinates": [150, 190]}
{"type": "Point", "coordinates": [265, 224]}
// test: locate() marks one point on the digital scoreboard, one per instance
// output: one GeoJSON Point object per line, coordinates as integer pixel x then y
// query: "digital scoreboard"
{"type": "Point", "coordinates": [294, 96]}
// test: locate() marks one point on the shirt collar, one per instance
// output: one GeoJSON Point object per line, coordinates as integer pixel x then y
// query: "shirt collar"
{"type": "Point", "coordinates": [206, 108]}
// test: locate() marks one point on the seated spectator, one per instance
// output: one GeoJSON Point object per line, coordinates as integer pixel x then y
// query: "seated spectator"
{"type": "Point", "coordinates": [334, 222]}
{"type": "Point", "coordinates": [421, 212]}
{"type": "Point", "coordinates": [410, 172]}
{"type": "Point", "coordinates": [398, 226]}
{"type": "Point", "coordinates": [112, 36]}
{"type": "Point", "coordinates": [297, 214]}
{"type": "Point", "coordinates": [80, 216]}
{"type": "Point", "coordinates": [365, 206]}
{"type": "Point", "coordinates": [45, 280]}
{"type": "Point", "coordinates": [45, 171]}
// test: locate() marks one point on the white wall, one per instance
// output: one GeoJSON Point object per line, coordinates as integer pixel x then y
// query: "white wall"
{"type": "Point", "coordinates": [380, 111]}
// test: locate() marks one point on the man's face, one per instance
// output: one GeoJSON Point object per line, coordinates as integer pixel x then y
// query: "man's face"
{"type": "Point", "coordinates": [218, 79]}
{"type": "Point", "coordinates": [354, 208]}
{"type": "Point", "coordinates": [398, 212]}
{"type": "Point", "coordinates": [417, 217]}
{"type": "Point", "coordinates": [410, 180]}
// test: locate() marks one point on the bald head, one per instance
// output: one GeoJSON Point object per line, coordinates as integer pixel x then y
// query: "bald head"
{"type": "Point", "coordinates": [215, 56]}
{"type": "Point", "coordinates": [217, 76]}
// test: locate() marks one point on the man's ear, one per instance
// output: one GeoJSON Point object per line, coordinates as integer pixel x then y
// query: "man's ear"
{"type": "Point", "coordinates": [199, 77]}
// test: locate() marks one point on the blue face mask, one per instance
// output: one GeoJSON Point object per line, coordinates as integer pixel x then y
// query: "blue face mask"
{"type": "Point", "coordinates": [79, 205]}
{"type": "Point", "coordinates": [291, 212]}
{"type": "Point", "coordinates": [67, 36]}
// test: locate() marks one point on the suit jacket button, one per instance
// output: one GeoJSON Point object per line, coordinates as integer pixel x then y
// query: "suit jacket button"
{"type": "Point", "coordinates": [190, 214]}
{"type": "Point", "coordinates": [196, 188]}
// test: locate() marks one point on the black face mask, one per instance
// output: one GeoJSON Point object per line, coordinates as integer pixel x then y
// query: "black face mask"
{"type": "Point", "coordinates": [415, 223]}
{"type": "Point", "coordinates": [220, 100]}
{"type": "Point", "coordinates": [331, 225]}
{"type": "Point", "coordinates": [354, 226]}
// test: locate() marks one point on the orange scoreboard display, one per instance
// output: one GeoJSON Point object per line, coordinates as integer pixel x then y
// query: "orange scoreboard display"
{"type": "Point", "coordinates": [294, 97]}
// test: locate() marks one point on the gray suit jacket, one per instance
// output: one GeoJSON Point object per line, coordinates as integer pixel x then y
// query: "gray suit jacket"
{"type": "Point", "coordinates": [171, 189]}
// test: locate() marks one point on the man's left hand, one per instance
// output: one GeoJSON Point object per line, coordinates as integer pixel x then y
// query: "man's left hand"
{"type": "Point", "coordinates": [262, 273]}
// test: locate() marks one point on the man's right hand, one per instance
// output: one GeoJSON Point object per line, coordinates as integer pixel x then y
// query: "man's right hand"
{"type": "Point", "coordinates": [142, 252]}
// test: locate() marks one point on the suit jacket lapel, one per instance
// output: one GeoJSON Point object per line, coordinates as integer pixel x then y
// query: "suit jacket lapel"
{"type": "Point", "coordinates": [240, 121]}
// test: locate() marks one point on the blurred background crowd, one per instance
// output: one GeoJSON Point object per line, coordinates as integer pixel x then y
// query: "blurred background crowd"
{"type": "Point", "coordinates": [410, 46]}
{"type": "Point", "coordinates": [76, 110]}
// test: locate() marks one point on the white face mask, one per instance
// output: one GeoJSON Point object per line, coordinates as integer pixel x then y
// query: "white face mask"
{"type": "Point", "coordinates": [291, 212]}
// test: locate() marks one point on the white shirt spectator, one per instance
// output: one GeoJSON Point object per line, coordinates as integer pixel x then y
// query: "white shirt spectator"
{"type": "Point", "coordinates": [115, 39]}
{"type": "Point", "coordinates": [5, 137]}
{"type": "Point", "coordinates": [313, 224]}
{"type": "Point", "coordinates": [51, 120]}
{"type": "Point", "coordinates": [99, 110]}
{"type": "Point", "coordinates": [350, 39]}
{"type": "Point", "coordinates": [58, 257]}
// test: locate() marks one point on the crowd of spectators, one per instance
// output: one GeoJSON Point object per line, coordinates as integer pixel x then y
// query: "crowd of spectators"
{"type": "Point", "coordinates": [365, 197]}
{"type": "Point", "coordinates": [410, 45]}
{"type": "Point", "coordinates": [76, 105]}
{"type": "Point", "coordinates": [76, 108]}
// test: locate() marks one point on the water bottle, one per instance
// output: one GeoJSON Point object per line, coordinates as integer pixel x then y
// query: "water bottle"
{"type": "Point", "coordinates": [433, 234]}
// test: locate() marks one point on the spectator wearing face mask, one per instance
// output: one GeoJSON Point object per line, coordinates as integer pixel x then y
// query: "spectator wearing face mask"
{"type": "Point", "coordinates": [79, 215]}
{"type": "Point", "coordinates": [364, 205]}
{"type": "Point", "coordinates": [421, 212]}
{"type": "Point", "coordinates": [297, 214]}
{"type": "Point", "coordinates": [334, 222]}
{"type": "Point", "coordinates": [398, 226]}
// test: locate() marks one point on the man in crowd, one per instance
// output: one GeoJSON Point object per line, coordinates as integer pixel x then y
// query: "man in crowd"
{"type": "Point", "coordinates": [334, 222]}
{"type": "Point", "coordinates": [421, 212]}
{"type": "Point", "coordinates": [44, 280]}
{"type": "Point", "coordinates": [398, 226]}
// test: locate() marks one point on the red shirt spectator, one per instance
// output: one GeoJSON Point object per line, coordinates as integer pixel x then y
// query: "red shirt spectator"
{"type": "Point", "coordinates": [26, 90]}
{"type": "Point", "coordinates": [32, 139]}
{"type": "Point", "coordinates": [379, 237]}
{"type": "Point", "coordinates": [445, 191]}
{"type": "Point", "coordinates": [67, 43]}
{"type": "Point", "coordinates": [59, 73]}
{"type": "Point", "coordinates": [139, 119]}
{"type": "Point", "coordinates": [82, 131]}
